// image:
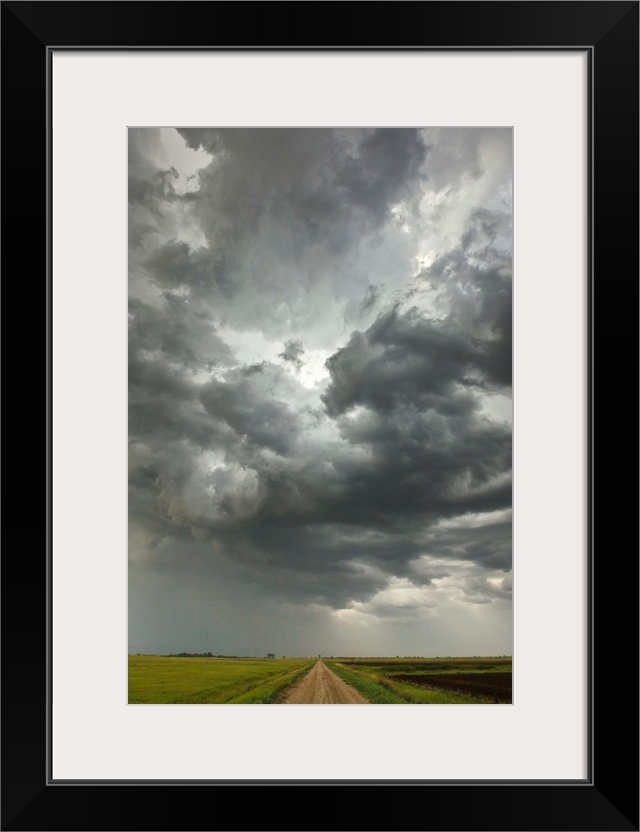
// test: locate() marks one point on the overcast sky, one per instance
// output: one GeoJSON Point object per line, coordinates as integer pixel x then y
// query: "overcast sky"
{"type": "Point", "coordinates": [320, 391]}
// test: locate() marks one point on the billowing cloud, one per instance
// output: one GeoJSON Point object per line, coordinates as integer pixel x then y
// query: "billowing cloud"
{"type": "Point", "coordinates": [292, 353]}
{"type": "Point", "coordinates": [319, 376]}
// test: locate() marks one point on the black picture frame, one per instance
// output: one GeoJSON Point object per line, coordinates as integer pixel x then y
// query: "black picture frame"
{"type": "Point", "coordinates": [608, 798]}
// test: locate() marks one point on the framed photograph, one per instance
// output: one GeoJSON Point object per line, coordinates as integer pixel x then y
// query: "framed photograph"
{"type": "Point", "coordinates": [286, 284]}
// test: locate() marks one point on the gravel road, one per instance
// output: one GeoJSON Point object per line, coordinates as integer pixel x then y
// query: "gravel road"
{"type": "Point", "coordinates": [322, 687]}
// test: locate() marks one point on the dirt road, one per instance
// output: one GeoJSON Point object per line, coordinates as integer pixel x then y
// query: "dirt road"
{"type": "Point", "coordinates": [322, 687]}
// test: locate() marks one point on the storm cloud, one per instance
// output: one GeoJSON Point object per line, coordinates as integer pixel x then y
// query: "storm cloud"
{"type": "Point", "coordinates": [320, 388]}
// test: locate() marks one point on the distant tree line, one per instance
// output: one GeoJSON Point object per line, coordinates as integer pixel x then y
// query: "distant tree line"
{"type": "Point", "coordinates": [201, 656]}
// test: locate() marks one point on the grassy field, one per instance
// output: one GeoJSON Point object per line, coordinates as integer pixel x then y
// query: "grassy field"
{"type": "Point", "coordinates": [168, 679]}
{"type": "Point", "coordinates": [440, 681]}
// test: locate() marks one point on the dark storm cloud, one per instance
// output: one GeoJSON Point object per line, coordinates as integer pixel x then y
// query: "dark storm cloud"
{"type": "Point", "coordinates": [473, 282]}
{"type": "Point", "coordinates": [292, 353]}
{"type": "Point", "coordinates": [488, 546]}
{"type": "Point", "coordinates": [318, 493]}
{"type": "Point", "coordinates": [243, 405]}
{"type": "Point", "coordinates": [325, 175]}
{"type": "Point", "coordinates": [178, 332]}
{"type": "Point", "coordinates": [168, 343]}
{"type": "Point", "coordinates": [174, 265]}
{"type": "Point", "coordinates": [370, 300]}
{"type": "Point", "coordinates": [406, 390]}
{"type": "Point", "coordinates": [438, 465]}
{"type": "Point", "coordinates": [481, 591]}
{"type": "Point", "coordinates": [377, 176]}
{"type": "Point", "coordinates": [456, 156]}
{"type": "Point", "coordinates": [146, 181]}
{"type": "Point", "coordinates": [284, 212]}
{"type": "Point", "coordinates": [402, 359]}
{"type": "Point", "coordinates": [150, 189]}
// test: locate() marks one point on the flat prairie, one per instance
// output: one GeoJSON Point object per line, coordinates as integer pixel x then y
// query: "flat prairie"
{"type": "Point", "coordinates": [334, 681]}
{"type": "Point", "coordinates": [195, 680]}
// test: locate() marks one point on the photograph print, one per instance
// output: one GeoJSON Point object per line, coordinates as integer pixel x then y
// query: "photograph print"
{"type": "Point", "coordinates": [320, 415]}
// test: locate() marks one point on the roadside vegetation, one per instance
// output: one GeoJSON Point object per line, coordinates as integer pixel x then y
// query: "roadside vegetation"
{"type": "Point", "coordinates": [368, 684]}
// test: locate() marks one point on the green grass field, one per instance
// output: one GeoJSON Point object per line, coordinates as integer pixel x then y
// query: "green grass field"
{"type": "Point", "coordinates": [168, 679]}
{"type": "Point", "coordinates": [438, 681]}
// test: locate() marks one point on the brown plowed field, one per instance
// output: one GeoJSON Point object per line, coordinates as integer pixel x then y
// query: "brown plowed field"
{"type": "Point", "coordinates": [473, 664]}
{"type": "Point", "coordinates": [493, 686]}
